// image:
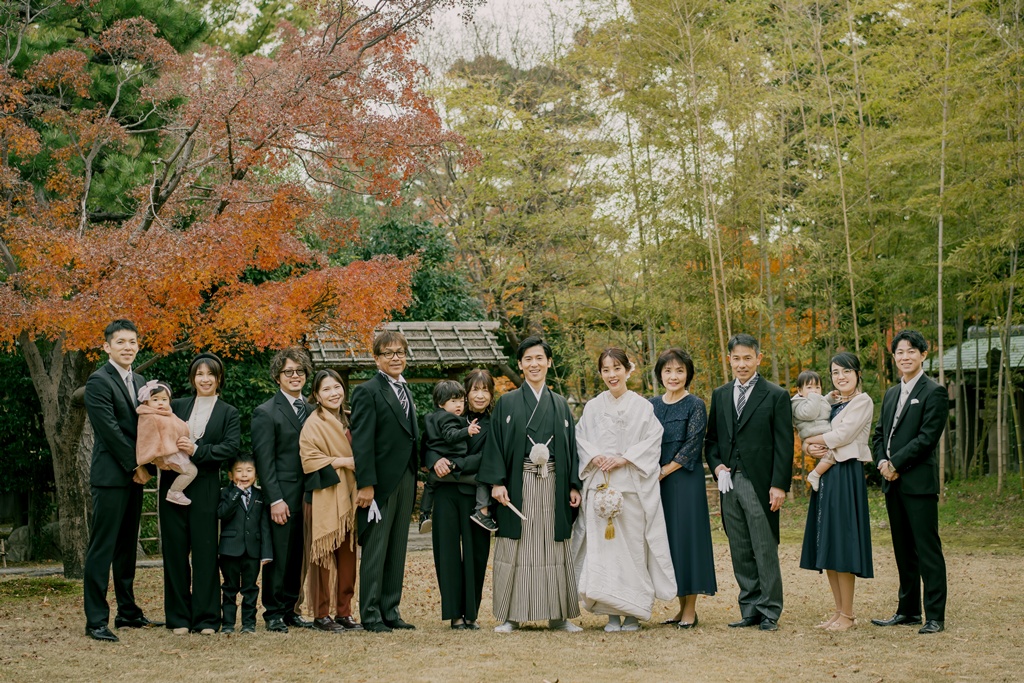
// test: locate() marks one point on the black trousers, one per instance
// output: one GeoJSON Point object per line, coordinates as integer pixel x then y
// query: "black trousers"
{"type": "Point", "coordinates": [461, 548]}
{"type": "Point", "coordinates": [282, 578]}
{"type": "Point", "coordinates": [382, 563]}
{"type": "Point", "coordinates": [113, 539]}
{"type": "Point", "coordinates": [240, 575]}
{"type": "Point", "coordinates": [914, 521]}
{"type": "Point", "coordinates": [191, 592]}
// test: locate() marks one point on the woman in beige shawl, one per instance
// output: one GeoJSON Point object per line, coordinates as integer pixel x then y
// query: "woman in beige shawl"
{"type": "Point", "coordinates": [329, 507]}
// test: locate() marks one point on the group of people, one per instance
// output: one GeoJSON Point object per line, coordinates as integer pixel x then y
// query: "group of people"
{"type": "Point", "coordinates": [609, 512]}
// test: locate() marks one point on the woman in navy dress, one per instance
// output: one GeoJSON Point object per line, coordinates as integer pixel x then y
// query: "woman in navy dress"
{"type": "Point", "coordinates": [837, 538]}
{"type": "Point", "coordinates": [683, 494]}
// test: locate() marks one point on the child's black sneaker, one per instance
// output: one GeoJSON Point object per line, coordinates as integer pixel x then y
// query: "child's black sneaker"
{"type": "Point", "coordinates": [484, 521]}
{"type": "Point", "coordinates": [425, 524]}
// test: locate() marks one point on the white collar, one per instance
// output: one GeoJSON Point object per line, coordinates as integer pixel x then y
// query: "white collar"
{"type": "Point", "coordinates": [392, 380]}
{"type": "Point", "coordinates": [908, 385]}
{"type": "Point", "coordinates": [753, 378]}
{"type": "Point", "coordinates": [536, 393]}
{"type": "Point", "coordinates": [288, 397]}
{"type": "Point", "coordinates": [121, 371]}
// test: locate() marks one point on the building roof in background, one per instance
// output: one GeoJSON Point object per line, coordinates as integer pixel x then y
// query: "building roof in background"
{"type": "Point", "coordinates": [444, 344]}
{"type": "Point", "coordinates": [974, 354]}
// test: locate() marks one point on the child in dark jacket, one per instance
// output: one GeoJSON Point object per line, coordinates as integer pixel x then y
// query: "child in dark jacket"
{"type": "Point", "coordinates": [245, 543]}
{"type": "Point", "coordinates": [447, 436]}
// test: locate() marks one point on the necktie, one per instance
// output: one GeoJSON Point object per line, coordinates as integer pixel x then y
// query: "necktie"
{"type": "Point", "coordinates": [129, 382]}
{"type": "Point", "coordinates": [403, 398]}
{"type": "Point", "coordinates": [300, 410]}
{"type": "Point", "coordinates": [742, 400]}
{"type": "Point", "coordinates": [246, 495]}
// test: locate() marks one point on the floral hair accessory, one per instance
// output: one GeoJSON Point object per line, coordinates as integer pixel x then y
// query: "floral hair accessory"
{"type": "Point", "coordinates": [149, 387]}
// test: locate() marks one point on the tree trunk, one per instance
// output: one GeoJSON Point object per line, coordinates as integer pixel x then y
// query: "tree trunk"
{"type": "Point", "coordinates": [56, 375]}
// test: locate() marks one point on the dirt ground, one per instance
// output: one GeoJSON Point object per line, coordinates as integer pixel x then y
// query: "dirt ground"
{"type": "Point", "coordinates": [42, 639]}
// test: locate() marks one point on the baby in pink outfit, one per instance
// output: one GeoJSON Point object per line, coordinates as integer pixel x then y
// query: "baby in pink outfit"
{"type": "Point", "coordinates": [157, 442]}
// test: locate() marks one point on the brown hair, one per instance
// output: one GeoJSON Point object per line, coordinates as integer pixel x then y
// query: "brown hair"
{"type": "Point", "coordinates": [388, 338]}
{"type": "Point", "coordinates": [296, 354]}
{"type": "Point", "coordinates": [213, 363]}
{"type": "Point", "coordinates": [321, 375]}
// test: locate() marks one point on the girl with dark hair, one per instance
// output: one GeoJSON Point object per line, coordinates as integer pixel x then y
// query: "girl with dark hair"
{"type": "Point", "coordinates": [329, 507]}
{"type": "Point", "coordinates": [192, 589]}
{"type": "Point", "coordinates": [684, 418]}
{"type": "Point", "coordinates": [837, 537]}
{"type": "Point", "coordinates": [620, 543]}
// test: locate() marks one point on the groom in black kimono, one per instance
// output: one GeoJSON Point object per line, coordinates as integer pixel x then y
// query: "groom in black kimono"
{"type": "Point", "coordinates": [530, 460]}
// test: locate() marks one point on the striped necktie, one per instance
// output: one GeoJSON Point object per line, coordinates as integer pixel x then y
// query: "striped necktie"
{"type": "Point", "coordinates": [742, 400]}
{"type": "Point", "coordinates": [403, 398]}
{"type": "Point", "coordinates": [300, 410]}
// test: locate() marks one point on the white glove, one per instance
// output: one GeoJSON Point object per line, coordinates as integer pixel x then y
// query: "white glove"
{"type": "Point", "coordinates": [374, 513]}
{"type": "Point", "coordinates": [725, 481]}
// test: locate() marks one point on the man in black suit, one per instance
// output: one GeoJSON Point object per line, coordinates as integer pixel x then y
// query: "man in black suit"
{"type": "Point", "coordinates": [384, 438]}
{"type": "Point", "coordinates": [244, 543]}
{"type": "Point", "coordinates": [116, 481]}
{"type": "Point", "coordinates": [749, 448]}
{"type": "Point", "coordinates": [905, 444]}
{"type": "Point", "coordinates": [276, 425]}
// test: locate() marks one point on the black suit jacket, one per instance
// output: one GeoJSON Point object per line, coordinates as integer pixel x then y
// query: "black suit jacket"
{"type": "Point", "coordinates": [914, 447]}
{"type": "Point", "coordinates": [222, 438]}
{"type": "Point", "coordinates": [275, 445]}
{"type": "Point", "coordinates": [761, 440]}
{"type": "Point", "coordinates": [115, 425]}
{"type": "Point", "coordinates": [244, 532]}
{"type": "Point", "coordinates": [447, 436]}
{"type": "Point", "coordinates": [384, 439]}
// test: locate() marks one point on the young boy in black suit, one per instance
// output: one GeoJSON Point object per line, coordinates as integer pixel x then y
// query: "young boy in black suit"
{"type": "Point", "coordinates": [244, 543]}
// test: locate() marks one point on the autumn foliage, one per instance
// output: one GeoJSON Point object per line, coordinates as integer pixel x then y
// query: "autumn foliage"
{"type": "Point", "coordinates": [219, 240]}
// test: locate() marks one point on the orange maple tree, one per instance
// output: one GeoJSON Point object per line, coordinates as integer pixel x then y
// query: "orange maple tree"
{"type": "Point", "coordinates": [220, 240]}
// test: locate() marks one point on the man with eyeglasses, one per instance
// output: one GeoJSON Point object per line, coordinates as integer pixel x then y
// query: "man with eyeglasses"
{"type": "Point", "coordinates": [276, 425]}
{"type": "Point", "coordinates": [384, 438]}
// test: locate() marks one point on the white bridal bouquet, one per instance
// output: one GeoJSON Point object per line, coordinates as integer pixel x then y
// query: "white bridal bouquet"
{"type": "Point", "coordinates": [607, 505]}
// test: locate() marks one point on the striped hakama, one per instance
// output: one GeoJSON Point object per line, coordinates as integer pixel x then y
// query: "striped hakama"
{"type": "Point", "coordinates": [533, 575]}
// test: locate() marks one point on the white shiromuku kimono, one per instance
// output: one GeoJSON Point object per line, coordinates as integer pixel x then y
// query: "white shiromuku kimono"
{"type": "Point", "coordinates": [622, 575]}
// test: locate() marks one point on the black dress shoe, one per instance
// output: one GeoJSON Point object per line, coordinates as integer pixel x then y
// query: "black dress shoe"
{"type": "Point", "coordinates": [933, 626]}
{"type": "Point", "coordinates": [249, 628]}
{"type": "Point", "coordinates": [327, 624]}
{"type": "Point", "coordinates": [101, 633]}
{"type": "Point", "coordinates": [348, 623]}
{"type": "Point", "coordinates": [898, 620]}
{"type": "Point", "coordinates": [376, 627]}
{"type": "Point", "coordinates": [458, 625]}
{"type": "Point", "coordinates": [277, 626]}
{"type": "Point", "coordinates": [400, 625]}
{"type": "Point", "coordinates": [141, 622]}
{"type": "Point", "coordinates": [296, 621]}
{"type": "Point", "coordinates": [472, 626]}
{"type": "Point", "coordinates": [681, 624]}
{"type": "Point", "coordinates": [769, 625]}
{"type": "Point", "coordinates": [746, 622]}
{"type": "Point", "coordinates": [227, 629]}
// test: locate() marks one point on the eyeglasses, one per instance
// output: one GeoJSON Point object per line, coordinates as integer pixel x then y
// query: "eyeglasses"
{"type": "Point", "coordinates": [294, 372]}
{"type": "Point", "coordinates": [392, 354]}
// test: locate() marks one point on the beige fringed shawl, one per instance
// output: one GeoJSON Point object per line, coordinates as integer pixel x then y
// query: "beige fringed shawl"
{"type": "Point", "coordinates": [158, 434]}
{"type": "Point", "coordinates": [323, 439]}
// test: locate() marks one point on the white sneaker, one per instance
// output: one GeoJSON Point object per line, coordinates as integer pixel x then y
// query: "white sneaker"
{"type": "Point", "coordinates": [630, 624]}
{"type": "Point", "coordinates": [563, 625]}
{"type": "Point", "coordinates": [507, 627]}
{"type": "Point", "coordinates": [813, 478]}
{"type": "Point", "coordinates": [178, 498]}
{"type": "Point", "coordinates": [614, 624]}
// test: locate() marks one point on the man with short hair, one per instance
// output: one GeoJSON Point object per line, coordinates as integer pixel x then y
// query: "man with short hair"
{"type": "Point", "coordinates": [749, 448]}
{"type": "Point", "coordinates": [384, 438]}
{"type": "Point", "coordinates": [531, 460]}
{"type": "Point", "coordinates": [116, 480]}
{"type": "Point", "coordinates": [276, 425]}
{"type": "Point", "coordinates": [913, 417]}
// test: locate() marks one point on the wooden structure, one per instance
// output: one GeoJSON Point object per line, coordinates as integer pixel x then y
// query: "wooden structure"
{"type": "Point", "coordinates": [453, 348]}
{"type": "Point", "coordinates": [979, 358]}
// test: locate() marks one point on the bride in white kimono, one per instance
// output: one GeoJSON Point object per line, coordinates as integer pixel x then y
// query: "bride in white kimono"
{"type": "Point", "coordinates": [619, 441]}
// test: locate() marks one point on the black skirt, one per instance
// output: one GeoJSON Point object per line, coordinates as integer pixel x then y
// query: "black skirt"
{"type": "Point", "coordinates": [838, 531]}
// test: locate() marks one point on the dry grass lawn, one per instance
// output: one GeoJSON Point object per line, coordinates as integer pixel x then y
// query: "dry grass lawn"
{"type": "Point", "coordinates": [41, 637]}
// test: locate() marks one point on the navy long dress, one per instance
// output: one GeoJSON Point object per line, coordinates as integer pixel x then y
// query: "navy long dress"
{"type": "Point", "coordinates": [838, 531]}
{"type": "Point", "coordinates": [683, 494]}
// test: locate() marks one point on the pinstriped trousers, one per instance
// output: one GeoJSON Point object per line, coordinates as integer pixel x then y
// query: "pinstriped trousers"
{"type": "Point", "coordinates": [382, 567]}
{"type": "Point", "coordinates": [755, 553]}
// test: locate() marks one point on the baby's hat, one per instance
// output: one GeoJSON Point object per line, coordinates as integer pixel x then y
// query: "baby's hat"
{"type": "Point", "coordinates": [149, 387]}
